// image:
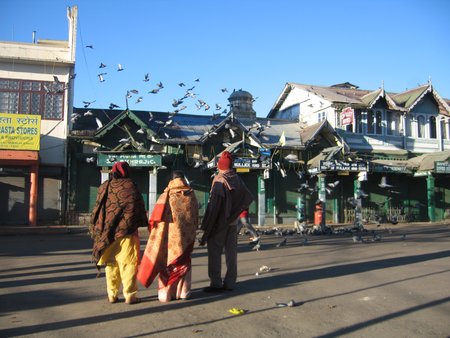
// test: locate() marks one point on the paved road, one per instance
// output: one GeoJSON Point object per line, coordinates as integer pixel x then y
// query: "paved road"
{"type": "Point", "coordinates": [395, 287]}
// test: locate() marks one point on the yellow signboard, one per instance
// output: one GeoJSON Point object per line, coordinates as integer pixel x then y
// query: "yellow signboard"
{"type": "Point", "coordinates": [19, 131]}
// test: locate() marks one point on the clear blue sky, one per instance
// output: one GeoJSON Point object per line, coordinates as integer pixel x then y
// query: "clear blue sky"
{"type": "Point", "coordinates": [256, 45]}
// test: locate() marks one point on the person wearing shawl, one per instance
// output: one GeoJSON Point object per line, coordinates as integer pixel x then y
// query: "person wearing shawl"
{"type": "Point", "coordinates": [172, 225]}
{"type": "Point", "coordinates": [118, 213]}
{"type": "Point", "coordinates": [229, 196]}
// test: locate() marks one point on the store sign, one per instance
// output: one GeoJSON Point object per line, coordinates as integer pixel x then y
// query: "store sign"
{"type": "Point", "coordinates": [442, 167]}
{"type": "Point", "coordinates": [252, 163]}
{"type": "Point", "coordinates": [134, 160]}
{"type": "Point", "coordinates": [20, 131]}
{"type": "Point", "coordinates": [245, 162]}
{"type": "Point", "coordinates": [343, 166]}
{"type": "Point", "coordinates": [384, 168]}
{"type": "Point", "coordinates": [347, 116]}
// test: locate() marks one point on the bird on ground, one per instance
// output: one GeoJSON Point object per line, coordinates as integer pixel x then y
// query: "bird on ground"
{"type": "Point", "coordinates": [119, 67]}
{"type": "Point", "coordinates": [357, 239]}
{"type": "Point", "coordinates": [383, 183]}
{"type": "Point", "coordinates": [257, 246]}
{"type": "Point", "coordinates": [282, 243]}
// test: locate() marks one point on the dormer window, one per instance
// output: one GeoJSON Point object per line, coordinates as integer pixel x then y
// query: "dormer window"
{"type": "Point", "coordinates": [432, 127]}
{"type": "Point", "coordinates": [374, 122]}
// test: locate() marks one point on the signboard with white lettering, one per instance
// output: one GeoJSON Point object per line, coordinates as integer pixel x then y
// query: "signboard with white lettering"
{"type": "Point", "coordinates": [347, 115]}
{"type": "Point", "coordinates": [134, 160]}
{"type": "Point", "coordinates": [245, 162]}
{"type": "Point", "coordinates": [335, 165]}
{"type": "Point", "coordinates": [442, 167]}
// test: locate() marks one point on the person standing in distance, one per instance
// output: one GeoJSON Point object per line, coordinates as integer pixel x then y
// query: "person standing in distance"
{"type": "Point", "coordinates": [228, 197]}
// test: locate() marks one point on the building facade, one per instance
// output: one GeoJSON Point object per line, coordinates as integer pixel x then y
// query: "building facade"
{"type": "Point", "coordinates": [36, 83]}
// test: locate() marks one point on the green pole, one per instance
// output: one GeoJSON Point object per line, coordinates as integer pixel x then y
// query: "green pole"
{"type": "Point", "coordinates": [431, 198]}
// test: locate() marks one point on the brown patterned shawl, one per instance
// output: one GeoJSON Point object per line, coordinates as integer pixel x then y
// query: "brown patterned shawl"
{"type": "Point", "coordinates": [228, 197]}
{"type": "Point", "coordinates": [119, 210]}
{"type": "Point", "coordinates": [173, 226]}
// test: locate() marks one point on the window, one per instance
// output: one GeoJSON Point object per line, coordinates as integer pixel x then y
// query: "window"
{"type": "Point", "coordinates": [444, 126]}
{"type": "Point", "coordinates": [420, 126]}
{"type": "Point", "coordinates": [374, 122]}
{"type": "Point", "coordinates": [32, 97]}
{"type": "Point", "coordinates": [358, 122]}
{"type": "Point", "coordinates": [393, 123]}
{"type": "Point", "coordinates": [432, 127]}
{"type": "Point", "coordinates": [321, 116]}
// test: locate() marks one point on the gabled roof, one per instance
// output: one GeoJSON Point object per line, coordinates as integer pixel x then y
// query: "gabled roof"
{"type": "Point", "coordinates": [309, 134]}
{"type": "Point", "coordinates": [351, 95]}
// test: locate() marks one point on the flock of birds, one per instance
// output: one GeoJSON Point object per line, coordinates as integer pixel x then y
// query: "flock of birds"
{"type": "Point", "coordinates": [178, 103]}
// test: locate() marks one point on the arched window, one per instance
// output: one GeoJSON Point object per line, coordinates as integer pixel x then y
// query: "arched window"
{"type": "Point", "coordinates": [409, 125]}
{"type": "Point", "coordinates": [392, 123]}
{"type": "Point", "coordinates": [433, 127]}
{"type": "Point", "coordinates": [378, 123]}
{"type": "Point", "coordinates": [370, 122]}
{"type": "Point", "coordinates": [421, 126]}
{"type": "Point", "coordinates": [444, 126]}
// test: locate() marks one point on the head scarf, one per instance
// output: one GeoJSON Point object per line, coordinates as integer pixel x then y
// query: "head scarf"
{"type": "Point", "coordinates": [225, 161]}
{"type": "Point", "coordinates": [122, 168]}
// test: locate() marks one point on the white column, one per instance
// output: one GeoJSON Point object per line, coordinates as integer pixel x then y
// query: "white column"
{"type": "Point", "coordinates": [152, 180]}
{"type": "Point", "coordinates": [104, 176]}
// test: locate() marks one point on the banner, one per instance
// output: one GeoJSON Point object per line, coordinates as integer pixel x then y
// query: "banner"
{"type": "Point", "coordinates": [20, 131]}
{"type": "Point", "coordinates": [347, 116]}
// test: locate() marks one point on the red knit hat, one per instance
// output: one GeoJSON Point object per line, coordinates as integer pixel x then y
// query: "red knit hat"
{"type": "Point", "coordinates": [123, 168]}
{"type": "Point", "coordinates": [225, 161]}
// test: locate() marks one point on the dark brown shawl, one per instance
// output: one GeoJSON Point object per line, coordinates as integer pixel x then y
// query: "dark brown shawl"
{"type": "Point", "coordinates": [228, 197]}
{"type": "Point", "coordinates": [119, 210]}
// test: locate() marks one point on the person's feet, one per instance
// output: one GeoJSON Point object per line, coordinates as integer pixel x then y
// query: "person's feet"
{"type": "Point", "coordinates": [113, 300]}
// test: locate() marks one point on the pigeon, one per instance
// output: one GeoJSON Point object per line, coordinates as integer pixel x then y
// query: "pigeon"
{"type": "Point", "coordinates": [119, 67]}
{"type": "Point", "coordinates": [88, 113]}
{"type": "Point", "coordinates": [197, 80]}
{"type": "Point", "coordinates": [357, 239]}
{"type": "Point", "coordinates": [87, 103]}
{"type": "Point", "coordinates": [334, 184]}
{"type": "Point", "coordinates": [383, 183]}
{"type": "Point", "coordinates": [154, 91]}
{"type": "Point", "coordinates": [181, 84]}
{"type": "Point", "coordinates": [282, 243]}
{"type": "Point", "coordinates": [112, 106]}
{"type": "Point", "coordinates": [224, 90]}
{"type": "Point", "coordinates": [146, 77]}
{"type": "Point", "coordinates": [139, 99]}
{"type": "Point", "coordinates": [160, 85]}
{"type": "Point", "coordinates": [99, 123]}
{"type": "Point", "coordinates": [90, 46]}
{"type": "Point", "coordinates": [90, 159]}
{"type": "Point", "coordinates": [102, 65]}
{"type": "Point", "coordinates": [101, 78]}
{"type": "Point", "coordinates": [257, 246]}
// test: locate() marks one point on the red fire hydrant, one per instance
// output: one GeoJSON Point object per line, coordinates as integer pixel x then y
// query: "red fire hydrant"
{"type": "Point", "coordinates": [318, 213]}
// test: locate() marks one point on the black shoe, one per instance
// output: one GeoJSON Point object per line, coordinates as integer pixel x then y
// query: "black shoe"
{"type": "Point", "coordinates": [212, 289]}
{"type": "Point", "coordinates": [227, 288]}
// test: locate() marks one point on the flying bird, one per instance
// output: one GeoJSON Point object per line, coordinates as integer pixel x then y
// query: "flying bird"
{"type": "Point", "coordinates": [99, 123]}
{"type": "Point", "coordinates": [87, 103]}
{"type": "Point", "coordinates": [181, 84]}
{"type": "Point", "coordinates": [88, 113]}
{"type": "Point", "coordinates": [282, 243]}
{"type": "Point", "coordinates": [100, 78]}
{"type": "Point", "coordinates": [90, 46]}
{"type": "Point", "coordinates": [334, 184]}
{"type": "Point", "coordinates": [139, 99]}
{"type": "Point", "coordinates": [224, 90]}
{"type": "Point", "coordinates": [154, 91]}
{"type": "Point", "coordinates": [102, 65]}
{"type": "Point", "coordinates": [160, 85]}
{"type": "Point", "coordinates": [383, 183]}
{"type": "Point", "coordinates": [112, 106]}
{"type": "Point", "coordinates": [119, 67]}
{"type": "Point", "coordinates": [146, 77]}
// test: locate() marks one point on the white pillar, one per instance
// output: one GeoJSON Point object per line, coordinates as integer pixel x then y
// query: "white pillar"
{"type": "Point", "coordinates": [152, 180]}
{"type": "Point", "coordinates": [104, 176]}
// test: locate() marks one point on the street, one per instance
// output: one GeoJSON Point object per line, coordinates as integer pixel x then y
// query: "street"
{"type": "Point", "coordinates": [392, 285]}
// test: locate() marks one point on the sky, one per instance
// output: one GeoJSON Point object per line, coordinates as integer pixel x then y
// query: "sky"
{"type": "Point", "coordinates": [254, 45]}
